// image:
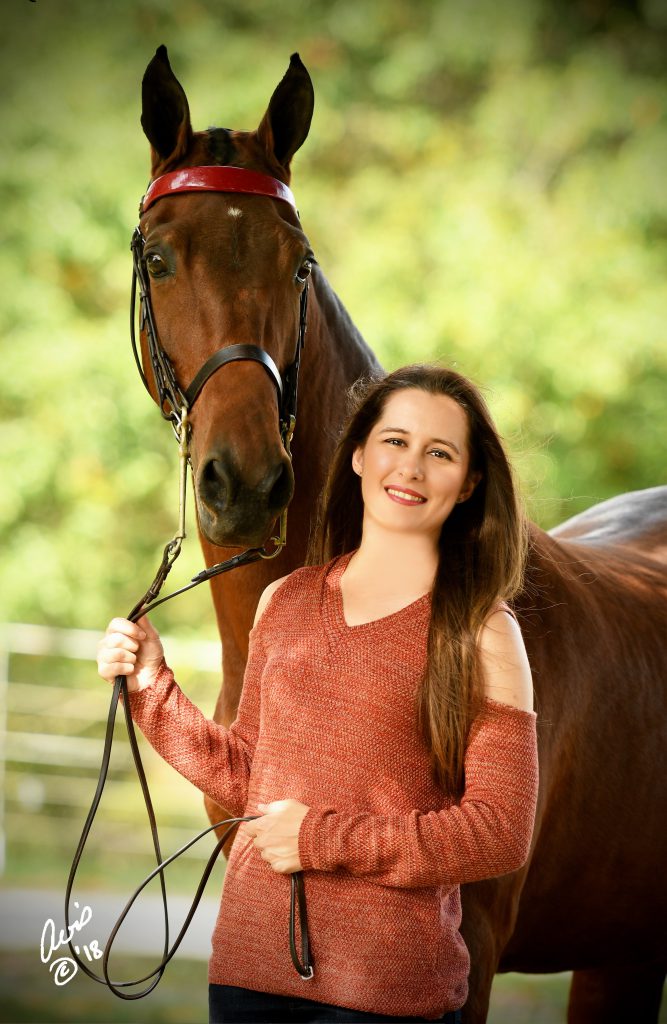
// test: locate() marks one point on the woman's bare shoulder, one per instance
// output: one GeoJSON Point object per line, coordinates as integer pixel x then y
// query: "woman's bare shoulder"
{"type": "Point", "coordinates": [304, 576]}
{"type": "Point", "coordinates": [266, 596]}
{"type": "Point", "coordinates": [505, 666]}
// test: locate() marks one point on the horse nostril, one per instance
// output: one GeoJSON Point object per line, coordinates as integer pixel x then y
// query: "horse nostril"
{"type": "Point", "coordinates": [222, 489]}
{"type": "Point", "coordinates": [280, 490]}
{"type": "Point", "coordinates": [213, 483]}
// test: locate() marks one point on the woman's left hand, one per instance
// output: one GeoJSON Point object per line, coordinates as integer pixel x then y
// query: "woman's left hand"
{"type": "Point", "coordinates": [276, 834]}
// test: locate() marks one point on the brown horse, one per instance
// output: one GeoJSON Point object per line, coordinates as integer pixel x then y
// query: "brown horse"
{"type": "Point", "coordinates": [592, 896]}
{"type": "Point", "coordinates": [225, 271]}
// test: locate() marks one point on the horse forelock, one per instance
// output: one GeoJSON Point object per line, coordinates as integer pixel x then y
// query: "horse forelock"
{"type": "Point", "coordinates": [221, 148]}
{"type": "Point", "coordinates": [224, 147]}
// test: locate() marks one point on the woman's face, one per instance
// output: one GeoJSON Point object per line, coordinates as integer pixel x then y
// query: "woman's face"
{"type": "Point", "coordinates": [414, 463]}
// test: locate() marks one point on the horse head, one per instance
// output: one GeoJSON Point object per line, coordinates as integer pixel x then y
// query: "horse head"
{"type": "Point", "coordinates": [227, 269]}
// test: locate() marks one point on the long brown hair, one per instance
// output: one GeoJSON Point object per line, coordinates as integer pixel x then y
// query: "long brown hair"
{"type": "Point", "coordinates": [482, 552]}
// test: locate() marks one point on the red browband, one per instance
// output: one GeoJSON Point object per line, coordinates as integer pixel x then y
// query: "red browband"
{"type": "Point", "coordinates": [216, 179]}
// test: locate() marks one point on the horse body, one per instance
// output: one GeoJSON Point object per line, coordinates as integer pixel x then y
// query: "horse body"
{"type": "Point", "coordinates": [592, 613]}
{"type": "Point", "coordinates": [593, 896]}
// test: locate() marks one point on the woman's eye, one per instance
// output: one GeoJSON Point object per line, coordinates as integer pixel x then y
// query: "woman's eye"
{"type": "Point", "coordinates": [398, 440]}
{"type": "Point", "coordinates": [441, 454]}
{"type": "Point", "coordinates": [304, 270]}
{"type": "Point", "coordinates": [155, 265]}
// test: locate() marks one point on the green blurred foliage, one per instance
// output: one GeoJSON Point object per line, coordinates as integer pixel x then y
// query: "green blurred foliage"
{"type": "Point", "coordinates": [484, 183]}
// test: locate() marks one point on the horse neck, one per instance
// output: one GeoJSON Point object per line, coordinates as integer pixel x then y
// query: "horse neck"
{"type": "Point", "coordinates": [335, 355]}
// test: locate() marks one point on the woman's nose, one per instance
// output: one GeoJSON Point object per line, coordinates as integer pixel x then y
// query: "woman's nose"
{"type": "Point", "coordinates": [412, 467]}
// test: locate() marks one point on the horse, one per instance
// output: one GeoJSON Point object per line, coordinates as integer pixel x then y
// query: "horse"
{"type": "Point", "coordinates": [592, 896]}
{"type": "Point", "coordinates": [227, 269]}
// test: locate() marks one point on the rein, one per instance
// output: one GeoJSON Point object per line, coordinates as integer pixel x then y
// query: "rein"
{"type": "Point", "coordinates": [175, 404]}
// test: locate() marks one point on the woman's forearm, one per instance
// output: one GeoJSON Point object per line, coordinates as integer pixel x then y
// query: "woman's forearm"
{"type": "Point", "coordinates": [212, 757]}
{"type": "Point", "coordinates": [487, 834]}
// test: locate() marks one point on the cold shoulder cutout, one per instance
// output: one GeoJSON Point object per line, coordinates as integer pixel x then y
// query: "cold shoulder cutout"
{"type": "Point", "coordinates": [505, 663]}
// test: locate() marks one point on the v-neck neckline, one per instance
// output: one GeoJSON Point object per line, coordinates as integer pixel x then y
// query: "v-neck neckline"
{"type": "Point", "coordinates": [334, 610]}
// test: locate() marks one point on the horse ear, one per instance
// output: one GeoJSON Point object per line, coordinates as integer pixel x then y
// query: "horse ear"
{"type": "Point", "coordinates": [165, 116]}
{"type": "Point", "coordinates": [284, 127]}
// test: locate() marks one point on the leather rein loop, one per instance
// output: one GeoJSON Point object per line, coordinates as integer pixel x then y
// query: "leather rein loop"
{"type": "Point", "coordinates": [175, 404]}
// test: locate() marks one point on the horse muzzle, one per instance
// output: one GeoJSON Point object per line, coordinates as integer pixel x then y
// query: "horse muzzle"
{"type": "Point", "coordinates": [233, 511]}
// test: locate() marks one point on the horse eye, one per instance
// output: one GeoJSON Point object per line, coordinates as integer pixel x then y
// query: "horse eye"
{"type": "Point", "coordinates": [304, 270]}
{"type": "Point", "coordinates": [155, 265]}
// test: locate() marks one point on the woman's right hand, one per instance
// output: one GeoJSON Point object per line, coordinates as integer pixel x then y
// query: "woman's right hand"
{"type": "Point", "coordinates": [130, 649]}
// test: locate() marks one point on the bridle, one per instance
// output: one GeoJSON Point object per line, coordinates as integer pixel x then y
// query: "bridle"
{"type": "Point", "coordinates": [175, 403]}
{"type": "Point", "coordinates": [169, 391]}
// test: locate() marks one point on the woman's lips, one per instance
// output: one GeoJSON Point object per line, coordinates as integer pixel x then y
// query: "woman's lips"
{"type": "Point", "coordinates": [404, 496]}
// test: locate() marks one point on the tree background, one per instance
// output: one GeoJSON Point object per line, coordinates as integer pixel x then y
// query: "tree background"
{"type": "Point", "coordinates": [484, 183]}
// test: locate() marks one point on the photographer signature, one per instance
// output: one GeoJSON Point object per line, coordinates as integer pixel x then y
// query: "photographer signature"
{"type": "Point", "coordinates": [63, 967]}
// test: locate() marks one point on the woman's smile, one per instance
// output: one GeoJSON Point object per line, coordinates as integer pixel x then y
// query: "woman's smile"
{"type": "Point", "coordinates": [404, 496]}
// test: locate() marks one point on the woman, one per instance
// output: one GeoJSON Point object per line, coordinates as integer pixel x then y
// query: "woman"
{"type": "Point", "coordinates": [386, 732]}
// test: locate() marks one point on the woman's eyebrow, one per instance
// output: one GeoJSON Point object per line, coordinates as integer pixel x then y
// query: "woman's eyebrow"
{"type": "Point", "coordinates": [401, 430]}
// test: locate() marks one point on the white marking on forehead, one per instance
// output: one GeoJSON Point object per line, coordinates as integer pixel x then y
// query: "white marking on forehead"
{"type": "Point", "coordinates": [234, 211]}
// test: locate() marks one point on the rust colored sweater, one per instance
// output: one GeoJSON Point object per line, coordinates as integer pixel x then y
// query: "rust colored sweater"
{"type": "Point", "coordinates": [327, 717]}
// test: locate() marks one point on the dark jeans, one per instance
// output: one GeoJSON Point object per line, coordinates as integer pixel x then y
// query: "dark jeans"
{"type": "Point", "coordinates": [227, 1003]}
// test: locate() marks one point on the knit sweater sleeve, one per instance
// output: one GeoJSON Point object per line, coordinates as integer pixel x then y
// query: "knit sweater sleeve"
{"type": "Point", "coordinates": [213, 758]}
{"type": "Point", "coordinates": [487, 833]}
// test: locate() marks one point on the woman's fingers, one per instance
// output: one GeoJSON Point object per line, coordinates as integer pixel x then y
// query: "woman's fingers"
{"type": "Point", "coordinates": [127, 628]}
{"type": "Point", "coordinates": [117, 670]}
{"type": "Point", "coordinates": [131, 650]}
{"type": "Point", "coordinates": [286, 866]}
{"type": "Point", "coordinates": [283, 865]}
{"type": "Point", "coordinates": [120, 640]}
{"type": "Point", "coordinates": [145, 625]}
{"type": "Point", "coordinates": [116, 651]}
{"type": "Point", "coordinates": [109, 654]}
{"type": "Point", "coordinates": [275, 834]}
{"type": "Point", "coordinates": [115, 663]}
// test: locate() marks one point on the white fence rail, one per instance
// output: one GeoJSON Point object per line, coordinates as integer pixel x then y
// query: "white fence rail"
{"type": "Point", "coordinates": [42, 735]}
